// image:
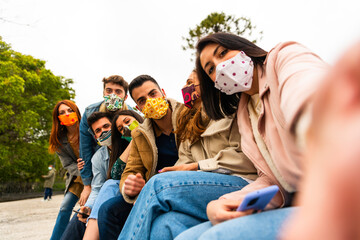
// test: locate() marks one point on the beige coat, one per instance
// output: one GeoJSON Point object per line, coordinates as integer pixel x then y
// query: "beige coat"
{"type": "Point", "coordinates": [218, 148]}
{"type": "Point", "coordinates": [291, 76]}
{"type": "Point", "coordinates": [50, 179]}
{"type": "Point", "coordinates": [143, 153]}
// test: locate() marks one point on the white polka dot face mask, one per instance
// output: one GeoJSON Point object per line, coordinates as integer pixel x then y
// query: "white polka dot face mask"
{"type": "Point", "coordinates": [235, 74]}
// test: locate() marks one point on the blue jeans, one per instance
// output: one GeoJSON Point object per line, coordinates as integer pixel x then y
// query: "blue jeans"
{"type": "Point", "coordinates": [170, 224]}
{"type": "Point", "coordinates": [265, 225]}
{"type": "Point", "coordinates": [64, 214]}
{"type": "Point", "coordinates": [185, 192]}
{"type": "Point", "coordinates": [47, 193]}
{"type": "Point", "coordinates": [112, 216]}
{"type": "Point", "coordinates": [108, 190]}
{"type": "Point", "coordinates": [75, 230]}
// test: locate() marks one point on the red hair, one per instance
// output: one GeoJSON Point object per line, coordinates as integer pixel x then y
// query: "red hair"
{"type": "Point", "coordinates": [58, 130]}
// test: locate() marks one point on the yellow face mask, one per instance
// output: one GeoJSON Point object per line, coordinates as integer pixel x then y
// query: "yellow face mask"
{"type": "Point", "coordinates": [155, 108]}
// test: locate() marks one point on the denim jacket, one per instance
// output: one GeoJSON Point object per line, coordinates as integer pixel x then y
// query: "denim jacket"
{"type": "Point", "coordinates": [100, 166]}
{"type": "Point", "coordinates": [88, 145]}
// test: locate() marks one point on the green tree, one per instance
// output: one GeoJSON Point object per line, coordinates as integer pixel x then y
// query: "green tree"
{"type": "Point", "coordinates": [220, 22]}
{"type": "Point", "coordinates": [29, 92]}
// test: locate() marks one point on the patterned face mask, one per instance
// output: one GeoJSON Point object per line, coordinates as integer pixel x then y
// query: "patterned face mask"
{"type": "Point", "coordinates": [155, 108]}
{"type": "Point", "coordinates": [68, 120]}
{"type": "Point", "coordinates": [127, 130]}
{"type": "Point", "coordinates": [105, 138]}
{"type": "Point", "coordinates": [113, 102]}
{"type": "Point", "coordinates": [235, 74]}
{"type": "Point", "coordinates": [189, 95]}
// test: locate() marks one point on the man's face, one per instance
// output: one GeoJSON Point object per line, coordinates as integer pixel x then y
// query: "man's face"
{"type": "Point", "coordinates": [145, 91]}
{"type": "Point", "coordinates": [100, 126]}
{"type": "Point", "coordinates": [114, 88]}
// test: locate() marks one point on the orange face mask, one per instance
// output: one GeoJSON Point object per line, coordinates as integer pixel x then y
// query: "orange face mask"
{"type": "Point", "coordinates": [68, 120]}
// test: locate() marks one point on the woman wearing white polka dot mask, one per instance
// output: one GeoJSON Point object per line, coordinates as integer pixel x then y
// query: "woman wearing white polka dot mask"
{"type": "Point", "coordinates": [271, 94]}
{"type": "Point", "coordinates": [235, 74]}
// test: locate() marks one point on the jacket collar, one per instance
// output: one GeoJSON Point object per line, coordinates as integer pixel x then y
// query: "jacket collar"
{"type": "Point", "coordinates": [218, 126]}
{"type": "Point", "coordinates": [149, 125]}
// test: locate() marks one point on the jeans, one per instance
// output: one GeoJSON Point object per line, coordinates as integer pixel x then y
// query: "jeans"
{"type": "Point", "coordinates": [185, 192]}
{"type": "Point", "coordinates": [75, 230]}
{"type": "Point", "coordinates": [112, 216]}
{"type": "Point", "coordinates": [109, 190]}
{"type": "Point", "coordinates": [265, 225]}
{"type": "Point", "coordinates": [171, 224]}
{"type": "Point", "coordinates": [47, 193]}
{"type": "Point", "coordinates": [64, 214]}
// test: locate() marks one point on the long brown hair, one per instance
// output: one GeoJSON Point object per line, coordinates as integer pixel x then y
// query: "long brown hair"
{"type": "Point", "coordinates": [217, 105]}
{"type": "Point", "coordinates": [191, 124]}
{"type": "Point", "coordinates": [118, 144]}
{"type": "Point", "coordinates": [58, 130]}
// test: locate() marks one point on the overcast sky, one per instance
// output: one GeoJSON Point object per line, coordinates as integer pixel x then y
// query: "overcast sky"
{"type": "Point", "coordinates": [87, 40]}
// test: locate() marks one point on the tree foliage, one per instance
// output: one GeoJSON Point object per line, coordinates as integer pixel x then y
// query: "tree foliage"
{"type": "Point", "coordinates": [29, 92]}
{"type": "Point", "coordinates": [220, 22]}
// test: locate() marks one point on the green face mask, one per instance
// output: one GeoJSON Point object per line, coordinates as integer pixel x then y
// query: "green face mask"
{"type": "Point", "coordinates": [126, 138]}
{"type": "Point", "coordinates": [128, 129]}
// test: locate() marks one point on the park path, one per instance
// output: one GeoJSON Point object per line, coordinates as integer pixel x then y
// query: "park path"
{"type": "Point", "coordinates": [29, 219]}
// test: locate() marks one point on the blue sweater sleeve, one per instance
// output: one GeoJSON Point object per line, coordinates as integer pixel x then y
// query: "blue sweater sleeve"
{"type": "Point", "coordinates": [99, 169]}
{"type": "Point", "coordinates": [87, 150]}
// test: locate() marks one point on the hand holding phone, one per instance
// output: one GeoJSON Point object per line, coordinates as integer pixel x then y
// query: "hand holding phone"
{"type": "Point", "coordinates": [84, 215]}
{"type": "Point", "coordinates": [259, 199]}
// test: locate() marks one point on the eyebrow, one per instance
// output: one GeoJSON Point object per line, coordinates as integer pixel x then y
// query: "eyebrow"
{"type": "Point", "coordinates": [214, 53]}
{"type": "Point", "coordinates": [140, 98]}
{"type": "Point", "coordinates": [152, 91]}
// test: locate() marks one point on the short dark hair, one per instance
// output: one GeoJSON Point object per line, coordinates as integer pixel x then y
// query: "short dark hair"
{"type": "Point", "coordinates": [138, 81]}
{"type": "Point", "coordinates": [217, 105]}
{"type": "Point", "coordinates": [116, 79]}
{"type": "Point", "coordinates": [95, 116]}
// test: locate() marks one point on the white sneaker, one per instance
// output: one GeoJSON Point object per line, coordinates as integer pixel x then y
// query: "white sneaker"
{"type": "Point", "coordinates": [43, 200]}
{"type": "Point", "coordinates": [49, 199]}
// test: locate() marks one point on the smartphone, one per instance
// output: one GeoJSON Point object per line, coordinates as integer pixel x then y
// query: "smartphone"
{"type": "Point", "coordinates": [85, 215]}
{"type": "Point", "coordinates": [259, 199]}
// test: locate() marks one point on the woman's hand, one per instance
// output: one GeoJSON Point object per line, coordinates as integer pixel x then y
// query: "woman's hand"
{"type": "Point", "coordinates": [224, 209]}
{"type": "Point", "coordinates": [80, 163]}
{"type": "Point", "coordinates": [182, 167]}
{"type": "Point", "coordinates": [84, 195]}
{"type": "Point", "coordinates": [86, 210]}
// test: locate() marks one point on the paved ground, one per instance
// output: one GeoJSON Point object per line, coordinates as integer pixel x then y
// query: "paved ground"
{"type": "Point", "coordinates": [28, 219]}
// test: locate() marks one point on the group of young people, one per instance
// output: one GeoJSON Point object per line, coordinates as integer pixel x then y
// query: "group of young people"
{"type": "Point", "coordinates": [250, 119]}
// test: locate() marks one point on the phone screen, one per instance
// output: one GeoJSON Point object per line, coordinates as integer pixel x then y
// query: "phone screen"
{"type": "Point", "coordinates": [85, 215]}
{"type": "Point", "coordinates": [258, 200]}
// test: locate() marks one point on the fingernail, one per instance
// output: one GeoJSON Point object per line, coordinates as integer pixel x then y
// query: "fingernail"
{"type": "Point", "coordinates": [160, 170]}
